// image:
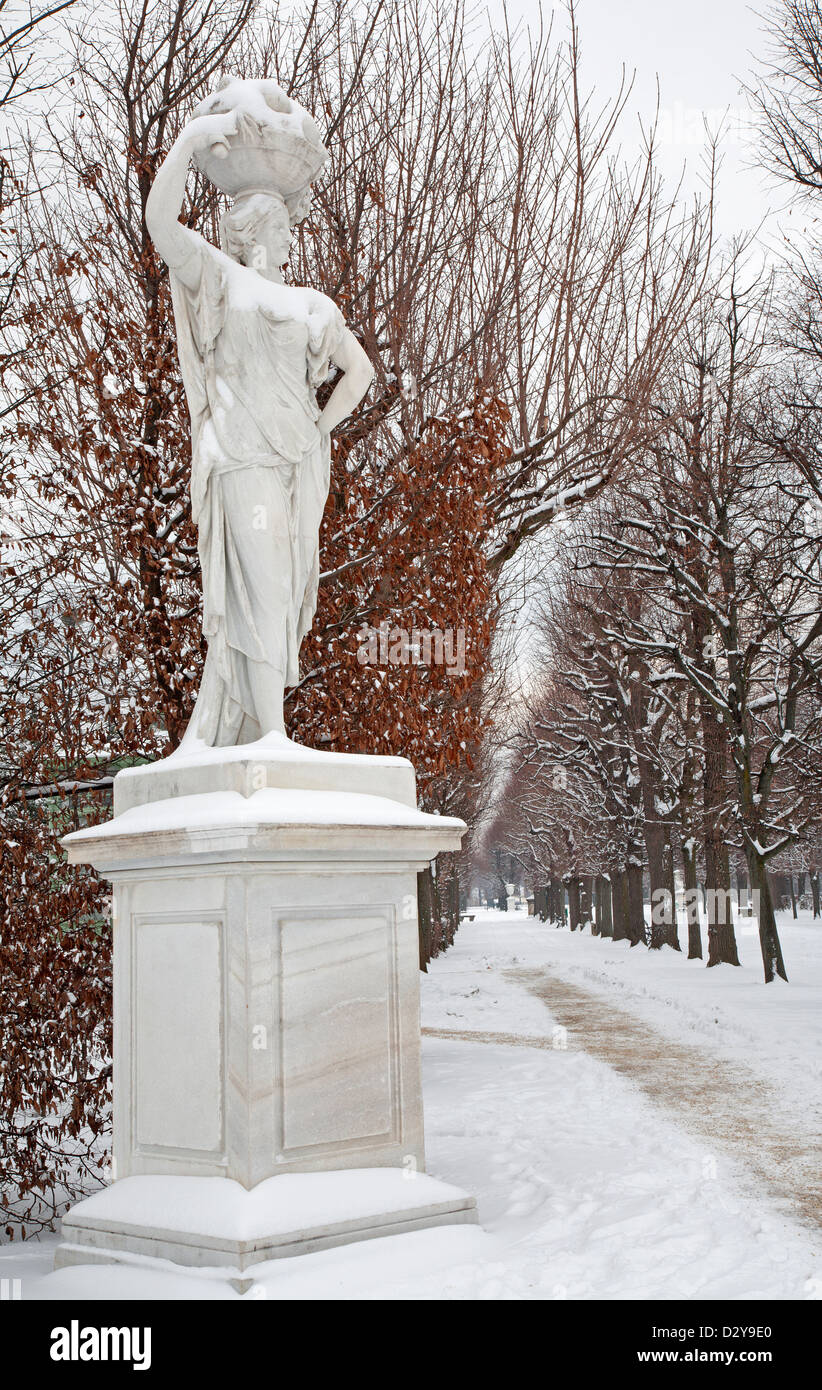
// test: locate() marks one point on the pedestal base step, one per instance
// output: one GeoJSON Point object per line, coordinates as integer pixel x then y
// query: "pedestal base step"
{"type": "Point", "coordinates": [216, 1223]}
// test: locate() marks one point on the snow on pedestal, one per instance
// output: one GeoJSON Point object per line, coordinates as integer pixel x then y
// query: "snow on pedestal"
{"type": "Point", "coordinates": [266, 1002]}
{"type": "Point", "coordinates": [216, 1224]}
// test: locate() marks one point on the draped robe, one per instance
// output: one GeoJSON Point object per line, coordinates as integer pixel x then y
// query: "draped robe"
{"type": "Point", "coordinates": [251, 354]}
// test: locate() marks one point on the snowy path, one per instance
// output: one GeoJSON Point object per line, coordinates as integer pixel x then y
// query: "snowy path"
{"type": "Point", "coordinates": [589, 1185]}
{"type": "Point", "coordinates": [723, 1103]}
{"type": "Point", "coordinates": [733, 1061]}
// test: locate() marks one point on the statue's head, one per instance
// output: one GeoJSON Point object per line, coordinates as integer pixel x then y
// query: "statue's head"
{"type": "Point", "coordinates": [256, 231]}
{"type": "Point", "coordinates": [271, 160]}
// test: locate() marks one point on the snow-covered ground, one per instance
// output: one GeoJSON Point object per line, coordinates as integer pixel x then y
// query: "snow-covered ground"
{"type": "Point", "coordinates": [586, 1189]}
{"type": "Point", "coordinates": [775, 1029]}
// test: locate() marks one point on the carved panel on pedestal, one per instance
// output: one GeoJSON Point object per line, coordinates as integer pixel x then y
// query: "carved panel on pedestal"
{"type": "Point", "coordinates": [177, 1045]}
{"type": "Point", "coordinates": [338, 1066]}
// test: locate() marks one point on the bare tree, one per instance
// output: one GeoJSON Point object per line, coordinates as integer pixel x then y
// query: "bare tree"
{"type": "Point", "coordinates": [787, 98]}
{"type": "Point", "coordinates": [726, 526]}
{"type": "Point", "coordinates": [23, 71]}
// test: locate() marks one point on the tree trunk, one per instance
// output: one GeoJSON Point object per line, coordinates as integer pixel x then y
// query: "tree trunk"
{"type": "Point", "coordinates": [663, 898]}
{"type": "Point", "coordinates": [573, 903]}
{"type": "Point", "coordinates": [558, 902]}
{"type": "Point", "coordinates": [691, 900]}
{"type": "Point", "coordinates": [436, 910]}
{"type": "Point", "coordinates": [453, 908]}
{"type": "Point", "coordinates": [741, 884]}
{"type": "Point", "coordinates": [619, 901]}
{"type": "Point", "coordinates": [586, 906]}
{"type": "Point", "coordinates": [424, 916]}
{"type": "Point", "coordinates": [768, 935]}
{"type": "Point", "coordinates": [793, 895]}
{"type": "Point", "coordinates": [721, 936]}
{"type": "Point", "coordinates": [691, 782]}
{"type": "Point", "coordinates": [814, 876]}
{"type": "Point", "coordinates": [635, 924]}
{"type": "Point", "coordinates": [672, 928]}
{"type": "Point", "coordinates": [655, 854]}
{"type": "Point", "coordinates": [605, 925]}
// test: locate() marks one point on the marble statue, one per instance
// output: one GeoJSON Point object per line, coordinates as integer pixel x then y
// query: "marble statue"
{"type": "Point", "coordinates": [252, 352]}
{"type": "Point", "coordinates": [266, 1062]}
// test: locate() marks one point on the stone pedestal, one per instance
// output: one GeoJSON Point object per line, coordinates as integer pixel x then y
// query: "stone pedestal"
{"type": "Point", "coordinates": [266, 985]}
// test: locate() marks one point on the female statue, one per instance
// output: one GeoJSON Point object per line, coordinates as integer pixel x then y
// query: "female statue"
{"type": "Point", "coordinates": [252, 352]}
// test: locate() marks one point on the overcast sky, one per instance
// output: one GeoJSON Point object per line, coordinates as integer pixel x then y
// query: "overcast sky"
{"type": "Point", "coordinates": [701, 52]}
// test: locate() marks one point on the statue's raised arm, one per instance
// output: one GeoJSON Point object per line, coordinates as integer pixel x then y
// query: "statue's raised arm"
{"type": "Point", "coordinates": [203, 135]}
{"type": "Point", "coordinates": [252, 353]}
